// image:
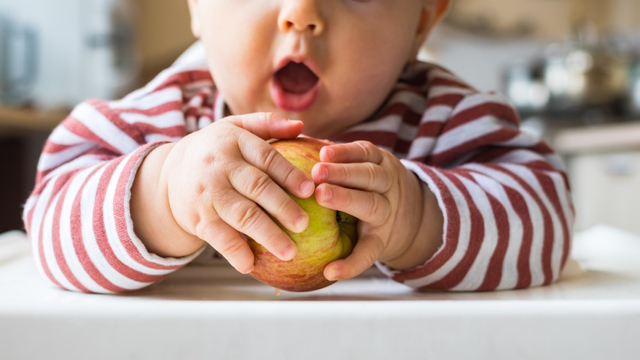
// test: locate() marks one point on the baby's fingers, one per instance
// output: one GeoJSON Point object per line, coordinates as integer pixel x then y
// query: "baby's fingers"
{"type": "Point", "coordinates": [259, 187]}
{"type": "Point", "coordinates": [229, 243]}
{"type": "Point", "coordinates": [364, 255]}
{"type": "Point", "coordinates": [268, 125]}
{"type": "Point", "coordinates": [355, 152]}
{"type": "Point", "coordinates": [245, 216]}
{"type": "Point", "coordinates": [264, 157]}
{"type": "Point", "coordinates": [364, 176]}
{"type": "Point", "coordinates": [367, 206]}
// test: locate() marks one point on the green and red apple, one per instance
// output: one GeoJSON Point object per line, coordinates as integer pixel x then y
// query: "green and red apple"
{"type": "Point", "coordinates": [331, 235]}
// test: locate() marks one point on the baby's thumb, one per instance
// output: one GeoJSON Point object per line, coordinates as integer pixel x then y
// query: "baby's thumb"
{"type": "Point", "coordinates": [268, 125]}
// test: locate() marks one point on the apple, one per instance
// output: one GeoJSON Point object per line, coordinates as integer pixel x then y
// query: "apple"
{"type": "Point", "coordinates": [331, 234]}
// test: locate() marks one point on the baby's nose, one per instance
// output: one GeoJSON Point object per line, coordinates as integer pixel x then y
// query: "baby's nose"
{"type": "Point", "coordinates": [301, 15]}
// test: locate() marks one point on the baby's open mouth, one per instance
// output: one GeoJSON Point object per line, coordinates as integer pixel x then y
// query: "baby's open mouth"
{"type": "Point", "coordinates": [295, 87]}
{"type": "Point", "coordinates": [296, 78]}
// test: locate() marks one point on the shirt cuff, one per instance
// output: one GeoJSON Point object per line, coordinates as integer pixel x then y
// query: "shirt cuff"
{"type": "Point", "coordinates": [434, 268]}
{"type": "Point", "coordinates": [131, 241]}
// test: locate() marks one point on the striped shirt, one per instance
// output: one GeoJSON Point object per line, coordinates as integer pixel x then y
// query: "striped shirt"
{"type": "Point", "coordinates": [505, 198]}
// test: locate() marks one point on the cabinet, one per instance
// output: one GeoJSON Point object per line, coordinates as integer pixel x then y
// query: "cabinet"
{"type": "Point", "coordinates": [13, 191]}
{"type": "Point", "coordinates": [22, 135]}
{"type": "Point", "coordinates": [604, 168]}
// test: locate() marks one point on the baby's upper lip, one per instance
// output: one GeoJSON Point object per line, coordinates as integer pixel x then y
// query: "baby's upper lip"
{"type": "Point", "coordinates": [301, 59]}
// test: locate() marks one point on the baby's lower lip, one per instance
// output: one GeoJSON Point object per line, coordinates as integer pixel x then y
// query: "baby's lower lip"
{"type": "Point", "coordinates": [293, 102]}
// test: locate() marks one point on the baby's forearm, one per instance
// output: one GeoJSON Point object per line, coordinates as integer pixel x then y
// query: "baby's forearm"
{"type": "Point", "coordinates": [153, 221]}
{"type": "Point", "coordinates": [429, 236]}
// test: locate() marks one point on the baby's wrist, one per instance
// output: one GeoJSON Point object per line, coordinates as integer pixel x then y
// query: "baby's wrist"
{"type": "Point", "coordinates": [153, 220]}
{"type": "Point", "coordinates": [408, 220]}
{"type": "Point", "coordinates": [428, 237]}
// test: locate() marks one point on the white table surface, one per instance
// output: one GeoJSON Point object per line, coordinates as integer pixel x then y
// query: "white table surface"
{"type": "Point", "coordinates": [212, 312]}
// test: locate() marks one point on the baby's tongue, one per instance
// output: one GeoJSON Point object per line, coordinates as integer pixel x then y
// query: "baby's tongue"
{"type": "Point", "coordinates": [296, 78]}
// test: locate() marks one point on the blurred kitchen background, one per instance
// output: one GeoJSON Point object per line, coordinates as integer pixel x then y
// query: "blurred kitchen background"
{"type": "Point", "coordinates": [571, 67]}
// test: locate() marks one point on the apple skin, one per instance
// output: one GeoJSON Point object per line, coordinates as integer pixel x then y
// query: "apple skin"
{"type": "Point", "coordinates": [331, 235]}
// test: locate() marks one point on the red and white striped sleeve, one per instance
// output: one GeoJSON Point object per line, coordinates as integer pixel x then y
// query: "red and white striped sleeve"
{"type": "Point", "coordinates": [508, 214]}
{"type": "Point", "coordinates": [78, 217]}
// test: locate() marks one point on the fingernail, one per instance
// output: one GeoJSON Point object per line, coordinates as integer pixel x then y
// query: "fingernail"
{"type": "Point", "coordinates": [289, 253]}
{"type": "Point", "coordinates": [328, 194]}
{"type": "Point", "coordinates": [307, 188]}
{"type": "Point", "coordinates": [329, 152]}
{"type": "Point", "coordinates": [324, 173]}
{"type": "Point", "coordinates": [301, 223]}
{"type": "Point", "coordinates": [331, 274]}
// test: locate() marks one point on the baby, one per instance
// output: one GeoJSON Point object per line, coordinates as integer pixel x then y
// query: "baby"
{"type": "Point", "coordinates": [449, 193]}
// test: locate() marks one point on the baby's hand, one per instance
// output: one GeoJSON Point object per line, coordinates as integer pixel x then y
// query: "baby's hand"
{"type": "Point", "coordinates": [222, 179]}
{"type": "Point", "coordinates": [371, 184]}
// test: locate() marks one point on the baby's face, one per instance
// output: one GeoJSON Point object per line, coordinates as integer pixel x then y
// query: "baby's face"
{"type": "Point", "coordinates": [329, 63]}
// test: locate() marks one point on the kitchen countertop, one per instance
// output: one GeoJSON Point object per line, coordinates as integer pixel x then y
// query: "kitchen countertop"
{"type": "Point", "coordinates": [211, 311]}
{"type": "Point", "coordinates": [598, 138]}
{"type": "Point", "coordinates": [31, 119]}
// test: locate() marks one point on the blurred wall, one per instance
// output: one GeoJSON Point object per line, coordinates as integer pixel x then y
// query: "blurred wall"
{"type": "Point", "coordinates": [551, 18]}
{"type": "Point", "coordinates": [480, 57]}
{"type": "Point", "coordinates": [163, 33]}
